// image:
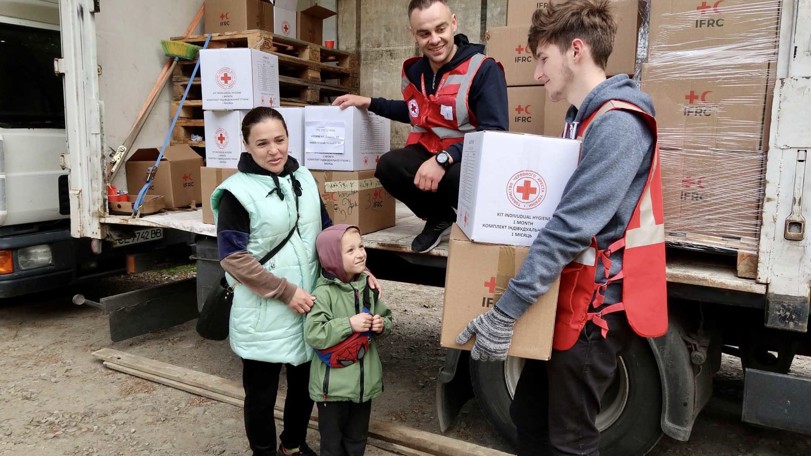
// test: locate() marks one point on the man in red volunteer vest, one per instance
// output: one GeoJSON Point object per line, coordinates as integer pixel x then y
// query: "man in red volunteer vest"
{"type": "Point", "coordinates": [605, 240]}
{"type": "Point", "coordinates": [451, 90]}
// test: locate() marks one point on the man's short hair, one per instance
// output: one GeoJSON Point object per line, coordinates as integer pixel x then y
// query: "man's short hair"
{"type": "Point", "coordinates": [589, 20]}
{"type": "Point", "coordinates": [422, 4]}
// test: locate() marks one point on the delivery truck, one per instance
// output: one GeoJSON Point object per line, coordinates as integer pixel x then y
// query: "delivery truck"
{"type": "Point", "coordinates": [749, 299]}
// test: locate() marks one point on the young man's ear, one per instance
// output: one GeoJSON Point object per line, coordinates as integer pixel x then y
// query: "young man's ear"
{"type": "Point", "coordinates": [578, 46]}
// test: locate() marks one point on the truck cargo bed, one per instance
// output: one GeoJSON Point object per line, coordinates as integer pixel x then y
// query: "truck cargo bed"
{"type": "Point", "coordinates": [684, 267]}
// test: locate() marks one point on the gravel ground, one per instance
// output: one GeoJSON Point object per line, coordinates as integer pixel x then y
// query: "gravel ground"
{"type": "Point", "coordinates": [56, 399]}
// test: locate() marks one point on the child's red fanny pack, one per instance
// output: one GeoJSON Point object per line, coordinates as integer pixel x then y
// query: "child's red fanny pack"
{"type": "Point", "coordinates": [348, 352]}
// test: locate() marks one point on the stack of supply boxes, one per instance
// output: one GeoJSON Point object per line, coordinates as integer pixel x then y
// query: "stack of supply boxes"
{"type": "Point", "coordinates": [509, 188]}
{"type": "Point", "coordinates": [233, 82]}
{"type": "Point", "coordinates": [710, 72]}
{"type": "Point", "coordinates": [342, 148]}
{"type": "Point", "coordinates": [530, 109]}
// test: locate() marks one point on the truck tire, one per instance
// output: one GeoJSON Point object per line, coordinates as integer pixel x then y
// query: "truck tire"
{"type": "Point", "coordinates": [629, 422]}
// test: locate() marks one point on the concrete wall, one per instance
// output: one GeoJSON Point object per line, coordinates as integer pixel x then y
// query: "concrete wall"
{"type": "Point", "coordinates": [379, 31]}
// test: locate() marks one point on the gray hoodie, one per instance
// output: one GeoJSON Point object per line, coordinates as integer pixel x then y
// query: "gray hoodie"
{"type": "Point", "coordinates": [599, 198]}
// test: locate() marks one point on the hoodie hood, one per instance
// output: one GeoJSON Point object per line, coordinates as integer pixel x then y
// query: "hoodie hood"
{"type": "Point", "coordinates": [328, 245]}
{"type": "Point", "coordinates": [618, 87]}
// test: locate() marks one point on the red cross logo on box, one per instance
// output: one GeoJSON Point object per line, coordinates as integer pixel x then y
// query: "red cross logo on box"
{"type": "Point", "coordinates": [693, 97]}
{"type": "Point", "coordinates": [491, 285]}
{"type": "Point", "coordinates": [523, 110]}
{"type": "Point", "coordinates": [286, 28]}
{"type": "Point", "coordinates": [526, 189]}
{"type": "Point", "coordinates": [226, 78]}
{"type": "Point", "coordinates": [221, 138]}
{"type": "Point", "coordinates": [704, 7]}
{"type": "Point", "coordinates": [187, 177]}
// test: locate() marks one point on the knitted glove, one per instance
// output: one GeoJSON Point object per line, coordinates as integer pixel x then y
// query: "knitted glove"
{"type": "Point", "coordinates": [494, 333]}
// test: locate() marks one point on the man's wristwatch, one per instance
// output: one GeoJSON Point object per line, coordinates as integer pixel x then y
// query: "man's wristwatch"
{"type": "Point", "coordinates": [443, 158]}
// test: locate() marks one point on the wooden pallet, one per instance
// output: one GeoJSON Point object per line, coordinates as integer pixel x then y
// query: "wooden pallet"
{"type": "Point", "coordinates": [745, 249]}
{"type": "Point", "coordinates": [279, 45]}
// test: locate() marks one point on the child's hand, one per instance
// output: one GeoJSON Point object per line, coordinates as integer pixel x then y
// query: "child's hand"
{"type": "Point", "coordinates": [360, 322]}
{"type": "Point", "coordinates": [377, 324]}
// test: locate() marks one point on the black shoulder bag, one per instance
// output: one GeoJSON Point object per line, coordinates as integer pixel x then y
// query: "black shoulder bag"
{"type": "Point", "coordinates": [214, 317]}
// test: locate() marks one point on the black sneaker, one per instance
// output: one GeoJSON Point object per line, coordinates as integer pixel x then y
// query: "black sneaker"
{"type": "Point", "coordinates": [431, 235]}
{"type": "Point", "coordinates": [303, 450]}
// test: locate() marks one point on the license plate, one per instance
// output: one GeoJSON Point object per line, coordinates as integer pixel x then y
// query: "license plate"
{"type": "Point", "coordinates": [139, 236]}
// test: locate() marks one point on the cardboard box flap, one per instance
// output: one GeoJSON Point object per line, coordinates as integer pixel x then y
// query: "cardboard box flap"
{"type": "Point", "coordinates": [173, 153]}
{"type": "Point", "coordinates": [316, 10]}
{"type": "Point", "coordinates": [284, 4]}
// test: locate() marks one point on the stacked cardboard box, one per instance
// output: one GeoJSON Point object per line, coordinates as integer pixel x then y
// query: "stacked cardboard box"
{"type": "Point", "coordinates": [710, 73]}
{"type": "Point", "coordinates": [233, 81]}
{"type": "Point", "coordinates": [278, 16]}
{"type": "Point", "coordinates": [344, 146]}
{"type": "Point", "coordinates": [508, 45]}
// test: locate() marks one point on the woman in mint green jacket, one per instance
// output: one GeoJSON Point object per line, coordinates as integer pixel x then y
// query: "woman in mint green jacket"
{"type": "Point", "coordinates": [344, 380]}
{"type": "Point", "coordinates": [271, 201]}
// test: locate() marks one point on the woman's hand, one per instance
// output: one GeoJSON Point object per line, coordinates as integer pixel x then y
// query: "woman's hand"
{"type": "Point", "coordinates": [360, 322]}
{"type": "Point", "coordinates": [302, 301]}
{"type": "Point", "coordinates": [373, 283]}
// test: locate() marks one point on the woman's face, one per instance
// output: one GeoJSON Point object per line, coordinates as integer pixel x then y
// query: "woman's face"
{"type": "Point", "coordinates": [267, 144]}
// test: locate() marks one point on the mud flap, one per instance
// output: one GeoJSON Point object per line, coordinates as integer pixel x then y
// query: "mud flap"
{"type": "Point", "coordinates": [453, 388]}
{"type": "Point", "coordinates": [151, 309]}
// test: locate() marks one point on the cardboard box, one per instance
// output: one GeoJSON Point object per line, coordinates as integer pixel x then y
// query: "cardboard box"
{"type": "Point", "coordinates": [732, 28]}
{"type": "Point", "coordinates": [712, 193]}
{"type": "Point", "coordinates": [152, 204]}
{"type": "Point", "coordinates": [356, 198]}
{"type": "Point", "coordinates": [724, 107]}
{"type": "Point", "coordinates": [511, 184]}
{"type": "Point", "coordinates": [508, 44]}
{"type": "Point", "coordinates": [224, 144]}
{"type": "Point", "coordinates": [554, 117]}
{"type": "Point", "coordinates": [277, 16]}
{"type": "Point", "coordinates": [294, 119]}
{"type": "Point", "coordinates": [526, 109]}
{"type": "Point", "coordinates": [311, 21]}
{"type": "Point", "coordinates": [177, 177]}
{"type": "Point", "coordinates": [476, 276]}
{"type": "Point", "coordinates": [210, 178]}
{"type": "Point", "coordinates": [344, 140]}
{"type": "Point", "coordinates": [238, 78]}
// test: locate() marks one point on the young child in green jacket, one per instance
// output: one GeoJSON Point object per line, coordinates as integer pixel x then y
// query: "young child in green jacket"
{"type": "Point", "coordinates": [342, 327]}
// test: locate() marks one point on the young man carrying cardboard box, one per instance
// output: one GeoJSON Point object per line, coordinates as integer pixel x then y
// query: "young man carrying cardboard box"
{"type": "Point", "coordinates": [605, 240]}
{"type": "Point", "coordinates": [449, 91]}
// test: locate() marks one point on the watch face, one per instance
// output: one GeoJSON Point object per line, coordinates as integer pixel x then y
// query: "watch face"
{"type": "Point", "coordinates": [442, 158]}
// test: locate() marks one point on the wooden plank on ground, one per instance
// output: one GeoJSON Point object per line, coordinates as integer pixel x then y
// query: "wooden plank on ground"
{"type": "Point", "coordinates": [231, 392]}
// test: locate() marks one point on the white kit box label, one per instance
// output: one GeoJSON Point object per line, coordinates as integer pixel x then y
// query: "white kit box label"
{"type": "Point", "coordinates": [511, 184]}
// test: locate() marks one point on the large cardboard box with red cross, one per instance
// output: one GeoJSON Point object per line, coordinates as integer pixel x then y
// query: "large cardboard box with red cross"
{"type": "Point", "coordinates": [726, 107]}
{"type": "Point", "coordinates": [238, 78]}
{"type": "Point", "coordinates": [526, 105]}
{"type": "Point", "coordinates": [508, 44]}
{"type": "Point", "coordinates": [698, 30]}
{"type": "Point", "coordinates": [348, 139]}
{"type": "Point", "coordinates": [224, 144]}
{"type": "Point", "coordinates": [177, 177]}
{"type": "Point", "coordinates": [476, 276]}
{"type": "Point", "coordinates": [275, 16]}
{"type": "Point", "coordinates": [511, 184]}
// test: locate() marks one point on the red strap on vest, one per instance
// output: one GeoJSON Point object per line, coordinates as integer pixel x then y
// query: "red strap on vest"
{"type": "Point", "coordinates": [597, 317]}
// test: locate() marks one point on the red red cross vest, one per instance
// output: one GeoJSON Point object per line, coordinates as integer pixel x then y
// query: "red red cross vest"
{"type": "Point", "coordinates": [644, 285]}
{"type": "Point", "coordinates": [441, 119]}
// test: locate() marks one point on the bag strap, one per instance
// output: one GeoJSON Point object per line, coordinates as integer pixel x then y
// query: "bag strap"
{"type": "Point", "coordinates": [275, 250]}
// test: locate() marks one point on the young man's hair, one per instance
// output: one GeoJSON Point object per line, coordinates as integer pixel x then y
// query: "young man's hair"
{"type": "Point", "coordinates": [422, 4]}
{"type": "Point", "coordinates": [589, 20]}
